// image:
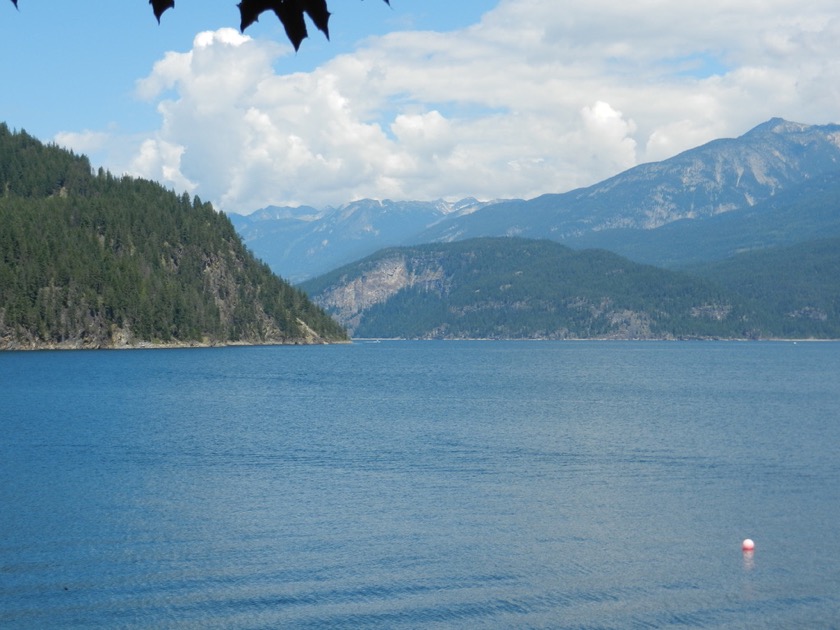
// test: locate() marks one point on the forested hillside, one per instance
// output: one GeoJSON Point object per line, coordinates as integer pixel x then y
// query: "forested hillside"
{"type": "Point", "coordinates": [520, 288]}
{"type": "Point", "coordinates": [99, 261]}
{"type": "Point", "coordinates": [526, 289]}
{"type": "Point", "coordinates": [797, 287]}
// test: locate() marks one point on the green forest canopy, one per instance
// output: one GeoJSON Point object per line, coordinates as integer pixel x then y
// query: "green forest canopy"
{"type": "Point", "coordinates": [85, 257]}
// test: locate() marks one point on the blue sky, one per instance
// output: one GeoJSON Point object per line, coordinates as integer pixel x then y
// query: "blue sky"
{"type": "Point", "coordinates": [426, 99]}
{"type": "Point", "coordinates": [75, 68]}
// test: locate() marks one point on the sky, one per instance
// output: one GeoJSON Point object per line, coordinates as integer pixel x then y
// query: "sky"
{"type": "Point", "coordinates": [423, 100]}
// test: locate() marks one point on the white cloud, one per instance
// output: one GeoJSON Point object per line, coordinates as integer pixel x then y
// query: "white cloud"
{"type": "Point", "coordinates": [161, 160]}
{"type": "Point", "coordinates": [534, 98]}
{"type": "Point", "coordinates": [609, 136]}
{"type": "Point", "coordinates": [84, 142]}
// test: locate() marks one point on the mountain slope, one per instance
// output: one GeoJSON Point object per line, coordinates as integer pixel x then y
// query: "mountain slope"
{"type": "Point", "coordinates": [518, 288]}
{"type": "Point", "coordinates": [722, 176]}
{"type": "Point", "coordinates": [305, 242]}
{"type": "Point", "coordinates": [95, 261]}
{"type": "Point", "coordinates": [800, 284]}
{"type": "Point", "coordinates": [714, 200]}
{"type": "Point", "coordinates": [805, 212]}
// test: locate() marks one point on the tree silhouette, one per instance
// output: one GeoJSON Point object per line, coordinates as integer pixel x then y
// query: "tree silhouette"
{"type": "Point", "coordinates": [289, 12]}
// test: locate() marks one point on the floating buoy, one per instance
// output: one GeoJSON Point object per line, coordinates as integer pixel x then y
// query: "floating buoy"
{"type": "Point", "coordinates": [748, 545]}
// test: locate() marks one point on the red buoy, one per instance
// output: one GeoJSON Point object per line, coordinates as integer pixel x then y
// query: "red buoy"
{"type": "Point", "coordinates": [748, 545]}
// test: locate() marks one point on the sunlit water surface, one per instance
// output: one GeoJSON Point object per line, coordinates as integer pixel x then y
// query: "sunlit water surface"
{"type": "Point", "coordinates": [422, 484]}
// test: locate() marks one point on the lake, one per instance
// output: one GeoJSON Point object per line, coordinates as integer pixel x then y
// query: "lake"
{"type": "Point", "coordinates": [422, 484]}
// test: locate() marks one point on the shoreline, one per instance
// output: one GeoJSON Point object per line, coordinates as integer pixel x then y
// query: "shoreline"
{"type": "Point", "coordinates": [184, 345]}
{"type": "Point", "coordinates": [577, 339]}
{"type": "Point", "coordinates": [151, 345]}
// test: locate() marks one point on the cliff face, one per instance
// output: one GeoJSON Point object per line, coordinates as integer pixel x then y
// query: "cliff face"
{"type": "Point", "coordinates": [378, 283]}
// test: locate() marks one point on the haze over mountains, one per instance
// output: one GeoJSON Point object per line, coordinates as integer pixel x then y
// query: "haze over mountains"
{"type": "Point", "coordinates": [303, 242]}
{"type": "Point", "coordinates": [774, 185]}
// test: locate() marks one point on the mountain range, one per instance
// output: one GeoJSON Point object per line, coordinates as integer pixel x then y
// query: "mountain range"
{"type": "Point", "coordinates": [774, 185]}
{"type": "Point", "coordinates": [739, 238]}
{"type": "Point", "coordinates": [303, 242]}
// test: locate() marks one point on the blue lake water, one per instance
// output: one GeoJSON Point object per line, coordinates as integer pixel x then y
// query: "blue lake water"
{"type": "Point", "coordinates": [422, 484]}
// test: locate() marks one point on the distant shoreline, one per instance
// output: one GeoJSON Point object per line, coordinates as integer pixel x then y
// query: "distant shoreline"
{"type": "Point", "coordinates": [576, 339]}
{"type": "Point", "coordinates": [150, 345]}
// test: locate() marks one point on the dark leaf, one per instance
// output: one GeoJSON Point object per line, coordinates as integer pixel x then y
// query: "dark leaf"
{"type": "Point", "coordinates": [250, 10]}
{"type": "Point", "coordinates": [318, 13]}
{"type": "Point", "coordinates": [291, 15]}
{"type": "Point", "coordinates": [159, 6]}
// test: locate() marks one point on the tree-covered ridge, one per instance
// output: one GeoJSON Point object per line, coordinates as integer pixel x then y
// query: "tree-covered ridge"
{"type": "Point", "coordinates": [520, 288]}
{"type": "Point", "coordinates": [99, 261]}
{"type": "Point", "coordinates": [797, 288]}
{"type": "Point", "coordinates": [31, 169]}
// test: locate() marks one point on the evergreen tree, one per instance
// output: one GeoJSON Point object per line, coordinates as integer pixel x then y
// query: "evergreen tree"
{"type": "Point", "coordinates": [90, 259]}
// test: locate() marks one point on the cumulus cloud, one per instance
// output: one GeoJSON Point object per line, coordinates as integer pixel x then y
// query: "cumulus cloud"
{"type": "Point", "coordinates": [531, 99]}
{"type": "Point", "coordinates": [84, 142]}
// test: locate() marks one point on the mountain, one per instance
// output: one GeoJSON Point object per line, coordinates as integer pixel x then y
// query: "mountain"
{"type": "Point", "coordinates": [304, 242]}
{"type": "Point", "coordinates": [803, 212]}
{"type": "Point", "coordinates": [524, 289]}
{"type": "Point", "coordinates": [94, 261]}
{"type": "Point", "coordinates": [778, 184]}
{"type": "Point", "coordinates": [725, 176]}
